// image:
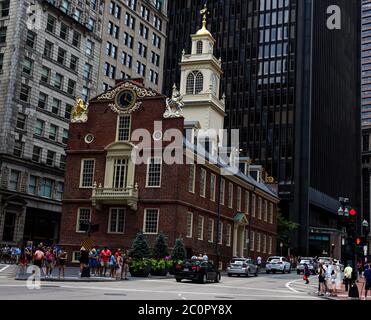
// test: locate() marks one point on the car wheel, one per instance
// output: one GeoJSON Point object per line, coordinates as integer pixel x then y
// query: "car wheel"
{"type": "Point", "coordinates": [274, 271]}
{"type": "Point", "coordinates": [229, 275]}
{"type": "Point", "coordinates": [268, 272]}
{"type": "Point", "coordinates": [178, 280]}
{"type": "Point", "coordinates": [284, 271]}
{"type": "Point", "coordinates": [289, 270]}
{"type": "Point", "coordinates": [256, 273]}
{"type": "Point", "coordinates": [218, 277]}
{"type": "Point", "coordinates": [204, 278]}
{"type": "Point", "coordinates": [298, 272]}
{"type": "Point", "coordinates": [248, 274]}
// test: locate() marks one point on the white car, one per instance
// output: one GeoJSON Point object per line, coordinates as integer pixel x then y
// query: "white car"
{"type": "Point", "coordinates": [277, 264]}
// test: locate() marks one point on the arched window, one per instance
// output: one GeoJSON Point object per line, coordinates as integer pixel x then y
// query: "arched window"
{"type": "Point", "coordinates": [195, 83]}
{"type": "Point", "coordinates": [199, 47]}
{"type": "Point", "coordinates": [213, 84]}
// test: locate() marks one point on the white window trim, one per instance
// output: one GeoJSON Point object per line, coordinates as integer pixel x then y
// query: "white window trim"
{"type": "Point", "coordinates": [252, 241]}
{"type": "Point", "coordinates": [220, 241]}
{"type": "Point", "coordinates": [258, 242]}
{"type": "Point", "coordinates": [109, 221]}
{"type": "Point", "coordinates": [202, 229]}
{"type": "Point", "coordinates": [247, 202]}
{"type": "Point", "coordinates": [253, 206]}
{"type": "Point", "coordinates": [264, 243]}
{"type": "Point", "coordinates": [229, 238]}
{"type": "Point", "coordinates": [73, 260]}
{"type": "Point", "coordinates": [78, 219]}
{"type": "Point", "coordinates": [270, 245]}
{"type": "Point", "coordinates": [222, 191]}
{"type": "Point", "coordinates": [193, 179]}
{"type": "Point", "coordinates": [212, 230]}
{"type": "Point", "coordinates": [203, 192]}
{"type": "Point", "coordinates": [147, 173]}
{"type": "Point", "coordinates": [230, 195]}
{"type": "Point", "coordinates": [239, 195]}
{"type": "Point", "coordinates": [145, 218]}
{"type": "Point", "coordinates": [260, 213]}
{"type": "Point", "coordinates": [191, 234]}
{"type": "Point", "coordinates": [82, 171]}
{"type": "Point", "coordinates": [212, 194]}
{"type": "Point", "coordinates": [118, 125]}
{"type": "Point", "coordinates": [265, 214]}
{"type": "Point", "coordinates": [271, 209]}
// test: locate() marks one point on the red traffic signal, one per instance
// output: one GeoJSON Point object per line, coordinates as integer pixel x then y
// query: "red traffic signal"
{"type": "Point", "coordinates": [361, 241]}
{"type": "Point", "coordinates": [352, 212]}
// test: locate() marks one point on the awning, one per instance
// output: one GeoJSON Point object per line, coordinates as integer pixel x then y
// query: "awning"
{"type": "Point", "coordinates": [240, 217]}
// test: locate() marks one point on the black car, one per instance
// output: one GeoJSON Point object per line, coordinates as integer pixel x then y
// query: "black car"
{"type": "Point", "coordinates": [197, 271]}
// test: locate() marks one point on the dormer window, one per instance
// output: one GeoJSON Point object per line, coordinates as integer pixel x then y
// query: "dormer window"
{"type": "Point", "coordinates": [199, 47]}
{"type": "Point", "coordinates": [195, 82]}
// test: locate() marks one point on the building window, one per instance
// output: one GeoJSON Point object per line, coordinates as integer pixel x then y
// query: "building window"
{"type": "Point", "coordinates": [67, 112]}
{"type": "Point", "coordinates": [75, 257]}
{"type": "Point", "coordinates": [154, 172]}
{"type": "Point", "coordinates": [212, 186]}
{"type": "Point", "coordinates": [220, 234]}
{"type": "Point", "coordinates": [253, 201]}
{"type": "Point", "coordinates": [56, 106]}
{"type": "Point", "coordinates": [258, 244]}
{"type": "Point", "coordinates": [200, 228]}
{"type": "Point", "coordinates": [65, 136]}
{"type": "Point", "coordinates": [53, 131]}
{"type": "Point", "coordinates": [9, 226]}
{"type": "Point", "coordinates": [61, 59]}
{"type": "Point", "coordinates": [123, 132]}
{"type": "Point", "coordinates": [228, 235]}
{"type": "Point", "coordinates": [59, 190]}
{"type": "Point", "coordinates": [247, 202]}
{"type": "Point", "coordinates": [252, 241]}
{"type": "Point", "coordinates": [14, 180]}
{"type": "Point", "coordinates": [73, 63]}
{"type": "Point", "coordinates": [83, 216]}
{"type": "Point", "coordinates": [195, 83]}
{"type": "Point", "coordinates": [192, 178]}
{"type": "Point", "coordinates": [18, 148]}
{"type": "Point", "coordinates": [259, 208]}
{"type": "Point", "coordinates": [264, 244]}
{"type": "Point", "coordinates": [239, 199]}
{"type": "Point", "coordinates": [85, 92]}
{"type": "Point", "coordinates": [4, 8]}
{"type": "Point", "coordinates": [1, 62]}
{"type": "Point", "coordinates": [43, 100]}
{"type": "Point", "coordinates": [63, 34]}
{"type": "Point", "coordinates": [151, 218]}
{"type": "Point", "coordinates": [71, 87]}
{"type": "Point", "coordinates": [21, 121]}
{"type": "Point", "coordinates": [62, 162]}
{"type": "Point", "coordinates": [120, 172]}
{"type": "Point", "coordinates": [210, 230]}
{"type": "Point", "coordinates": [116, 221]}
{"type": "Point", "coordinates": [230, 195]}
{"type": "Point", "coordinates": [50, 158]}
{"type": "Point", "coordinates": [203, 183]}
{"type": "Point", "coordinates": [222, 191]}
{"type": "Point", "coordinates": [27, 66]}
{"type": "Point", "coordinates": [87, 74]}
{"type": "Point", "coordinates": [3, 34]}
{"type": "Point", "coordinates": [199, 47]}
{"type": "Point", "coordinates": [50, 25]}
{"type": "Point", "coordinates": [87, 173]}
{"type": "Point", "coordinates": [36, 154]}
{"type": "Point", "coordinates": [189, 224]}
{"type": "Point", "coordinates": [39, 128]}
{"type": "Point", "coordinates": [265, 211]}
{"type": "Point", "coordinates": [245, 238]}
{"type": "Point", "coordinates": [32, 185]}
{"type": "Point", "coordinates": [270, 245]}
{"type": "Point", "coordinates": [89, 48]}
{"type": "Point", "coordinates": [46, 188]}
{"type": "Point", "coordinates": [58, 81]}
{"type": "Point", "coordinates": [76, 39]}
{"type": "Point", "coordinates": [25, 93]}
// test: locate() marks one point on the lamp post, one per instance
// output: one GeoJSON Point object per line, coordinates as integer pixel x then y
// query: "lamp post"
{"type": "Point", "coordinates": [366, 231]}
{"type": "Point", "coordinates": [281, 246]}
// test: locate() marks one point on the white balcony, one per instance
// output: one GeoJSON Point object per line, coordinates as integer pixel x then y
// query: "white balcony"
{"type": "Point", "coordinates": [115, 196]}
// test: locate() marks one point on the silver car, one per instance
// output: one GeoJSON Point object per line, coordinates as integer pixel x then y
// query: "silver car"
{"type": "Point", "coordinates": [312, 265]}
{"type": "Point", "coordinates": [242, 266]}
{"type": "Point", "coordinates": [277, 264]}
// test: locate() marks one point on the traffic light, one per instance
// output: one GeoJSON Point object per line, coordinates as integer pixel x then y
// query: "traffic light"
{"type": "Point", "coordinates": [353, 215]}
{"type": "Point", "coordinates": [361, 241]}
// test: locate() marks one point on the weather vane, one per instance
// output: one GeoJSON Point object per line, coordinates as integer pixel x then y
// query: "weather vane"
{"type": "Point", "coordinates": [204, 13]}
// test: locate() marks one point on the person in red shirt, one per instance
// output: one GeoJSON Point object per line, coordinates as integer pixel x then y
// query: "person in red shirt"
{"type": "Point", "coordinates": [105, 256]}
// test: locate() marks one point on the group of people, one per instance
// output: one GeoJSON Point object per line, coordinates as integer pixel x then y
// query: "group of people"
{"type": "Point", "coordinates": [97, 262]}
{"type": "Point", "coordinates": [10, 254]}
{"type": "Point", "coordinates": [201, 257]}
{"type": "Point", "coordinates": [330, 278]}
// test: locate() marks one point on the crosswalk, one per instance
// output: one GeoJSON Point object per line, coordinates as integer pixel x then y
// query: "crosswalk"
{"type": "Point", "coordinates": [8, 271]}
{"type": "Point", "coordinates": [299, 286]}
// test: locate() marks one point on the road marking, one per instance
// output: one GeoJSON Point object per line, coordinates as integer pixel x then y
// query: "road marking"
{"type": "Point", "coordinates": [287, 285]}
{"type": "Point", "coordinates": [6, 267]}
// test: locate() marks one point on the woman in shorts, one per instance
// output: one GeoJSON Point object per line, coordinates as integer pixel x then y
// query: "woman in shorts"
{"type": "Point", "coordinates": [62, 258]}
{"type": "Point", "coordinates": [321, 280]}
{"type": "Point", "coordinates": [93, 262]}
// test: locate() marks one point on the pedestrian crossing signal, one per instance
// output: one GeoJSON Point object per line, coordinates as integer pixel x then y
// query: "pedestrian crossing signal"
{"type": "Point", "coordinates": [361, 241]}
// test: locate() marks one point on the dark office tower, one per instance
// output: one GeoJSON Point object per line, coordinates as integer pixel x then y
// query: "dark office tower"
{"type": "Point", "coordinates": [292, 88]}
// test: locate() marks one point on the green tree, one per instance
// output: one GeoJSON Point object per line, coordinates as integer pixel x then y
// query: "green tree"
{"type": "Point", "coordinates": [284, 227]}
{"type": "Point", "coordinates": [179, 252]}
{"type": "Point", "coordinates": [160, 250]}
{"type": "Point", "coordinates": [139, 249]}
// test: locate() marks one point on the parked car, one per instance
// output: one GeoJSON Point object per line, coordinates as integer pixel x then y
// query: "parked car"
{"type": "Point", "coordinates": [197, 271]}
{"type": "Point", "coordinates": [312, 264]}
{"type": "Point", "coordinates": [275, 264]}
{"type": "Point", "coordinates": [242, 266]}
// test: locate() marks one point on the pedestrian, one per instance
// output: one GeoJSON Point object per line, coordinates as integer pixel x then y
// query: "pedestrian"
{"type": "Point", "coordinates": [119, 265]}
{"type": "Point", "coordinates": [367, 275]}
{"type": "Point", "coordinates": [333, 283]}
{"type": "Point", "coordinates": [125, 265]}
{"type": "Point", "coordinates": [50, 259]}
{"type": "Point", "coordinates": [194, 257]}
{"type": "Point", "coordinates": [93, 262]}
{"type": "Point", "coordinates": [61, 259]}
{"type": "Point", "coordinates": [205, 257]}
{"type": "Point", "coordinates": [347, 277]}
{"type": "Point", "coordinates": [321, 280]}
{"type": "Point", "coordinates": [84, 258]}
{"type": "Point", "coordinates": [259, 262]}
{"type": "Point", "coordinates": [22, 262]}
{"type": "Point", "coordinates": [28, 254]}
{"type": "Point", "coordinates": [38, 259]}
{"type": "Point", "coordinates": [306, 273]}
{"type": "Point", "coordinates": [113, 266]}
{"type": "Point", "coordinates": [105, 258]}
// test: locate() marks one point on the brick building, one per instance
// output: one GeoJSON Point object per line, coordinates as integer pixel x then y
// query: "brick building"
{"type": "Point", "coordinates": [106, 185]}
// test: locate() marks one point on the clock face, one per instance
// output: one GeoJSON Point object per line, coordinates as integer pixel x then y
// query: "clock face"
{"type": "Point", "coordinates": [126, 99]}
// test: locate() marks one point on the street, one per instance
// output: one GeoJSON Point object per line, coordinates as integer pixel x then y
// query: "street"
{"type": "Point", "coordinates": [264, 287]}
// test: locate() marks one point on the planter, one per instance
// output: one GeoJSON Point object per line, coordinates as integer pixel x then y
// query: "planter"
{"type": "Point", "coordinates": [140, 273]}
{"type": "Point", "coordinates": [160, 272]}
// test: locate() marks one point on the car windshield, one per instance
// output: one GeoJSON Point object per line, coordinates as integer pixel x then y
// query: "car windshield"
{"type": "Point", "coordinates": [238, 261]}
{"type": "Point", "coordinates": [275, 260]}
{"type": "Point", "coordinates": [270, 259]}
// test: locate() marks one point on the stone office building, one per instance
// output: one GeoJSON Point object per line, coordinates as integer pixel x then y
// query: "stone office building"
{"type": "Point", "coordinates": [106, 186]}
{"type": "Point", "coordinates": [49, 54]}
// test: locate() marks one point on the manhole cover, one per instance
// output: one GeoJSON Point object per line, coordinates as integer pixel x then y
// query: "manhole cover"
{"type": "Point", "coordinates": [115, 294]}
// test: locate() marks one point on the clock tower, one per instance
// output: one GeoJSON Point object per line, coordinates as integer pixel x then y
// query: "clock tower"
{"type": "Point", "coordinates": [200, 85]}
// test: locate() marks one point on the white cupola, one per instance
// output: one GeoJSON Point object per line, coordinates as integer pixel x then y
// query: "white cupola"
{"type": "Point", "coordinates": [200, 81]}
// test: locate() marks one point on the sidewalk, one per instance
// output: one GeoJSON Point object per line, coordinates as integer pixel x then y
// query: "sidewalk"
{"type": "Point", "coordinates": [343, 295]}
